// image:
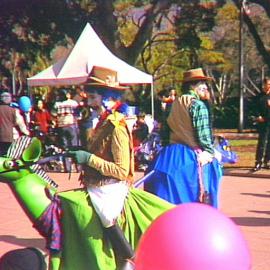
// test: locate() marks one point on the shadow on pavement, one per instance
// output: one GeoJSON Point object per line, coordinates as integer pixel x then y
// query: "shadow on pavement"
{"type": "Point", "coordinates": [260, 212]}
{"type": "Point", "coordinates": [23, 242]}
{"type": "Point", "coordinates": [257, 195]}
{"type": "Point", "coordinates": [251, 221]}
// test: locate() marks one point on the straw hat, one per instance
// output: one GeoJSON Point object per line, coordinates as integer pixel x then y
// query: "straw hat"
{"type": "Point", "coordinates": [196, 74]}
{"type": "Point", "coordinates": [104, 77]}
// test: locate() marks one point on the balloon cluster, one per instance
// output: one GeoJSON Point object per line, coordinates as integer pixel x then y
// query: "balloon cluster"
{"type": "Point", "coordinates": [193, 236]}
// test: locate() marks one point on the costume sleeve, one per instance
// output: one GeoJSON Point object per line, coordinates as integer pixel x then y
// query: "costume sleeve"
{"type": "Point", "coordinates": [202, 126]}
{"type": "Point", "coordinates": [120, 148]}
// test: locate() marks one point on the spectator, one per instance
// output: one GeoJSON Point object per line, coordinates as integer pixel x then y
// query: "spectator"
{"type": "Point", "coordinates": [5, 84]}
{"type": "Point", "coordinates": [168, 100]}
{"type": "Point", "coordinates": [66, 112]}
{"type": "Point", "coordinates": [23, 259]}
{"type": "Point", "coordinates": [263, 127]}
{"type": "Point", "coordinates": [40, 117]}
{"type": "Point", "coordinates": [80, 95]}
{"type": "Point", "coordinates": [140, 130]}
{"type": "Point", "coordinates": [89, 118]}
{"type": "Point", "coordinates": [9, 118]}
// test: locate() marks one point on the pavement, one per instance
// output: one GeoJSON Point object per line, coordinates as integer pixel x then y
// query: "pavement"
{"type": "Point", "coordinates": [244, 197]}
{"type": "Point", "coordinates": [247, 172]}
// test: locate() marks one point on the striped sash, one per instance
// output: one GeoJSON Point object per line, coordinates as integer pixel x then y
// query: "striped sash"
{"type": "Point", "coordinates": [15, 152]}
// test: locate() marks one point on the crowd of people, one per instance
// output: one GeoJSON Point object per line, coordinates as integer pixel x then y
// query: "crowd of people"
{"type": "Point", "coordinates": [67, 122]}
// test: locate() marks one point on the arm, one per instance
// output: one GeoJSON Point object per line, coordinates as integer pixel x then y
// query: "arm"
{"type": "Point", "coordinates": [20, 123]}
{"type": "Point", "coordinates": [202, 126]}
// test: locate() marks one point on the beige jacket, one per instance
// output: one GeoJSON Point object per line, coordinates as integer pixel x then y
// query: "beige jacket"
{"type": "Point", "coordinates": [112, 152]}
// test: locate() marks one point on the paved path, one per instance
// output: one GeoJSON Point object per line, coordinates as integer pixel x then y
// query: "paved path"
{"type": "Point", "coordinates": [245, 199]}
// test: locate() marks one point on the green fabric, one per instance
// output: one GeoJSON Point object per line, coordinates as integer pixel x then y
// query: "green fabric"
{"type": "Point", "coordinates": [33, 152]}
{"type": "Point", "coordinates": [85, 245]}
{"type": "Point", "coordinates": [31, 194]}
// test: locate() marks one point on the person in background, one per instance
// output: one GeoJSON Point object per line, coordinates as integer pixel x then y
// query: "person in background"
{"type": "Point", "coordinates": [5, 84]}
{"type": "Point", "coordinates": [40, 119]}
{"type": "Point", "coordinates": [10, 118]}
{"type": "Point", "coordinates": [80, 95]}
{"type": "Point", "coordinates": [263, 127]}
{"type": "Point", "coordinates": [140, 130]}
{"type": "Point", "coordinates": [66, 113]}
{"type": "Point", "coordinates": [188, 168]}
{"type": "Point", "coordinates": [89, 119]}
{"type": "Point", "coordinates": [41, 122]}
{"type": "Point", "coordinates": [168, 100]}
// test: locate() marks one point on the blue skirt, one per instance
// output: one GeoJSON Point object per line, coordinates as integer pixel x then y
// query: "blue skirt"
{"type": "Point", "coordinates": [175, 176]}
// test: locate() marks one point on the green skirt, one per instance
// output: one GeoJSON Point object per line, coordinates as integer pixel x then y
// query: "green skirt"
{"type": "Point", "coordinates": [85, 245]}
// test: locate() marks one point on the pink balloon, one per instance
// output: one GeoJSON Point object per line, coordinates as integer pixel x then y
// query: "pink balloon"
{"type": "Point", "coordinates": [193, 236]}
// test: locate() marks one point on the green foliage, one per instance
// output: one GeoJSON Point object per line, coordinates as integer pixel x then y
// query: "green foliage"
{"type": "Point", "coordinates": [226, 116]}
{"type": "Point", "coordinates": [193, 20]}
{"type": "Point", "coordinates": [32, 30]}
{"type": "Point", "coordinates": [163, 38]}
{"type": "Point", "coordinates": [208, 55]}
{"type": "Point", "coordinates": [166, 65]}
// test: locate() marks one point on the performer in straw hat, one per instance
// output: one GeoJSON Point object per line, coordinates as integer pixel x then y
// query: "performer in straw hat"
{"type": "Point", "coordinates": [188, 170]}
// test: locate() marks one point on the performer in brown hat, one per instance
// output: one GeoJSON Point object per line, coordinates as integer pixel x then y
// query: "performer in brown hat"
{"type": "Point", "coordinates": [187, 169]}
{"type": "Point", "coordinates": [108, 163]}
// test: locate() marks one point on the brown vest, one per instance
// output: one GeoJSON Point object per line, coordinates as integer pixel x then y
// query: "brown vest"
{"type": "Point", "coordinates": [180, 122]}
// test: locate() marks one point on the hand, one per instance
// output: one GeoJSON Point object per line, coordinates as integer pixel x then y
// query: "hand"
{"type": "Point", "coordinates": [260, 119]}
{"type": "Point", "coordinates": [205, 157]}
{"type": "Point", "coordinates": [217, 155]}
{"type": "Point", "coordinates": [80, 156]}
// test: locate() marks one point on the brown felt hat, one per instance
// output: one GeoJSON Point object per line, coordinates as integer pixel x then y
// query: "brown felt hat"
{"type": "Point", "coordinates": [104, 77]}
{"type": "Point", "coordinates": [195, 74]}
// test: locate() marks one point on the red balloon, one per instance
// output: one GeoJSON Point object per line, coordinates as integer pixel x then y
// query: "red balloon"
{"type": "Point", "coordinates": [193, 236]}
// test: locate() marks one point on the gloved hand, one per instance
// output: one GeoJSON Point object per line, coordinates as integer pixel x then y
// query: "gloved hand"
{"type": "Point", "coordinates": [205, 157]}
{"type": "Point", "coordinates": [80, 156]}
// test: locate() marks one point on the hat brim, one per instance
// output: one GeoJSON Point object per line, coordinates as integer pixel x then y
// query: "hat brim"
{"type": "Point", "coordinates": [198, 78]}
{"type": "Point", "coordinates": [102, 85]}
{"type": "Point", "coordinates": [96, 82]}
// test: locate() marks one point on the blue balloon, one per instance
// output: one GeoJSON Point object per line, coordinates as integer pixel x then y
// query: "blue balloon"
{"type": "Point", "coordinates": [25, 103]}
